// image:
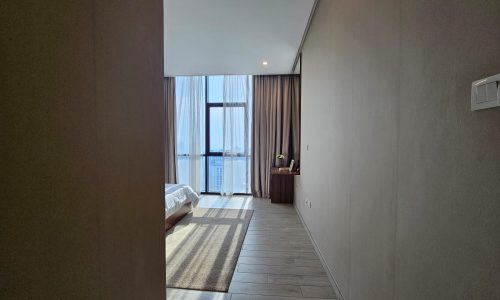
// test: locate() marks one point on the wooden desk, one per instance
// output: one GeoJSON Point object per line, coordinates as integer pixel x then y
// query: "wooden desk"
{"type": "Point", "coordinates": [282, 186]}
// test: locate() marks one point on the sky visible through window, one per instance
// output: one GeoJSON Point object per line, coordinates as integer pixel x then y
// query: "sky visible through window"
{"type": "Point", "coordinates": [215, 95]}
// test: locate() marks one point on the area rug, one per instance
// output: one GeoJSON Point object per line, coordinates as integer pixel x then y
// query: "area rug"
{"type": "Point", "coordinates": [203, 248]}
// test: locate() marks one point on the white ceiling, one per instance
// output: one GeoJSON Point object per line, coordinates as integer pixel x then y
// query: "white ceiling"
{"type": "Point", "coordinates": [217, 37]}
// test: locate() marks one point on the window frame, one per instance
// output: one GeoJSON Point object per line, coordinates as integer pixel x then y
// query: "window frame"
{"type": "Point", "coordinates": [208, 153]}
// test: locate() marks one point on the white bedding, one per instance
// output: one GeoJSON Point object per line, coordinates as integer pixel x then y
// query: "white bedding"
{"type": "Point", "coordinates": [176, 195]}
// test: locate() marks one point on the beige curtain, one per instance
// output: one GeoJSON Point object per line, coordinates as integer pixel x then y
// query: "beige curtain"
{"type": "Point", "coordinates": [276, 126]}
{"type": "Point", "coordinates": [170, 129]}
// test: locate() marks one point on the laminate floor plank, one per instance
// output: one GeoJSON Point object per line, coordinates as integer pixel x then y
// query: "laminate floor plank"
{"type": "Point", "coordinates": [279, 261]}
{"type": "Point", "coordinates": [297, 279]}
{"type": "Point", "coordinates": [288, 254]}
{"type": "Point", "coordinates": [317, 291]}
{"type": "Point", "coordinates": [283, 270]}
{"type": "Point", "coordinates": [260, 297]}
{"type": "Point", "coordinates": [265, 289]}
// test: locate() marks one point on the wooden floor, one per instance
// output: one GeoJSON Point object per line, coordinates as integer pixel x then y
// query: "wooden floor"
{"type": "Point", "coordinates": [277, 260]}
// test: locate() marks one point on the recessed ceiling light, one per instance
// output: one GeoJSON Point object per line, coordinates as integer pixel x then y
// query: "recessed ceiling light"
{"type": "Point", "coordinates": [264, 63]}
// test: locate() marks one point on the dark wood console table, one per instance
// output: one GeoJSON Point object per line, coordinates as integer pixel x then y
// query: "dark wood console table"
{"type": "Point", "coordinates": [282, 186]}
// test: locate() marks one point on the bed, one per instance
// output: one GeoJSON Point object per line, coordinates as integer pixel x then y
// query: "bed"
{"type": "Point", "coordinates": [179, 200]}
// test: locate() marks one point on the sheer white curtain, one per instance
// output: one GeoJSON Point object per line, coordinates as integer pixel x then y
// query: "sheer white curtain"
{"type": "Point", "coordinates": [190, 100]}
{"type": "Point", "coordinates": [236, 134]}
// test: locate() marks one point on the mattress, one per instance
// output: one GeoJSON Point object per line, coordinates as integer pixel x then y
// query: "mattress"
{"type": "Point", "coordinates": [176, 195]}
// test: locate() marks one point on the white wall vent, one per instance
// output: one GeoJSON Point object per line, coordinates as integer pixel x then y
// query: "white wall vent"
{"type": "Point", "coordinates": [485, 93]}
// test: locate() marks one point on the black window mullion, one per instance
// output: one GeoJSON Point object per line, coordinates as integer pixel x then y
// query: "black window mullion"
{"type": "Point", "coordinates": [214, 153]}
{"type": "Point", "coordinates": [207, 133]}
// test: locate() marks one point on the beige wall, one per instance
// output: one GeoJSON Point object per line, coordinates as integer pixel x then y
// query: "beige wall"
{"type": "Point", "coordinates": [403, 177]}
{"type": "Point", "coordinates": [81, 143]}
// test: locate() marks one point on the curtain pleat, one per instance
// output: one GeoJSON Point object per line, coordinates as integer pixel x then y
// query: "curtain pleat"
{"type": "Point", "coordinates": [276, 126]}
{"type": "Point", "coordinates": [236, 139]}
{"type": "Point", "coordinates": [190, 101]}
{"type": "Point", "coordinates": [295, 90]}
{"type": "Point", "coordinates": [170, 131]}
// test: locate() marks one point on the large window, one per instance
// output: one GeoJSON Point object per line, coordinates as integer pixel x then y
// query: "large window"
{"type": "Point", "coordinates": [220, 130]}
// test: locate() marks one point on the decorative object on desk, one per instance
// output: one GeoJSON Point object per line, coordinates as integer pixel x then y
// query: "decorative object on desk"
{"type": "Point", "coordinates": [291, 165]}
{"type": "Point", "coordinates": [280, 160]}
{"type": "Point", "coordinates": [284, 169]}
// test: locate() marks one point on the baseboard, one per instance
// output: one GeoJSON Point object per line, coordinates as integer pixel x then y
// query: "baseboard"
{"type": "Point", "coordinates": [321, 258]}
